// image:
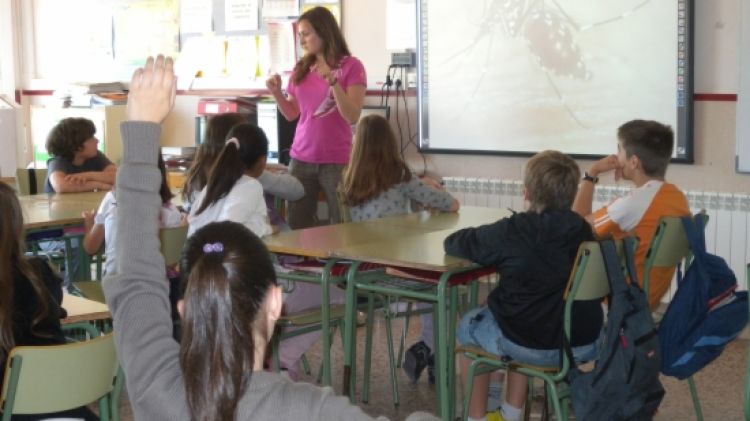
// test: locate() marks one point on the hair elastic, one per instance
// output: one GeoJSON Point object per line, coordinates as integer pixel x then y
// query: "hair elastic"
{"type": "Point", "coordinates": [233, 140]}
{"type": "Point", "coordinates": [216, 247]}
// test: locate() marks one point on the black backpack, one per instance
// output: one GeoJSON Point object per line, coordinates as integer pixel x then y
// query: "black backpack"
{"type": "Point", "coordinates": [624, 384]}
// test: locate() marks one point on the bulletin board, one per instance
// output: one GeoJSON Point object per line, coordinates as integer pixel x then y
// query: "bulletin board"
{"type": "Point", "coordinates": [234, 40]}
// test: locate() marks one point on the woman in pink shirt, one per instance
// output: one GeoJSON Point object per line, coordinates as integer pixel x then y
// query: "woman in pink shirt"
{"type": "Point", "coordinates": [326, 91]}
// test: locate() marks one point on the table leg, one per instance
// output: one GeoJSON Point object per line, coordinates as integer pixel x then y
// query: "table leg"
{"type": "Point", "coordinates": [441, 369]}
{"type": "Point", "coordinates": [325, 323]}
{"type": "Point", "coordinates": [350, 332]}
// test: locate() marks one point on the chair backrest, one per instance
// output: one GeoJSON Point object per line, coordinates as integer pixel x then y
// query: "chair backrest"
{"type": "Point", "coordinates": [588, 278]}
{"type": "Point", "coordinates": [172, 240]}
{"type": "Point", "coordinates": [31, 180]}
{"type": "Point", "coordinates": [343, 209]}
{"type": "Point", "coordinates": [669, 246]}
{"type": "Point", "coordinates": [42, 379]}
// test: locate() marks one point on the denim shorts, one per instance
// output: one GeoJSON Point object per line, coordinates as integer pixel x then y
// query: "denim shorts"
{"type": "Point", "coordinates": [478, 327]}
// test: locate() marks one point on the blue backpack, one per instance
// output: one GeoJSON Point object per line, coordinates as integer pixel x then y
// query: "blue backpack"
{"type": "Point", "coordinates": [705, 314]}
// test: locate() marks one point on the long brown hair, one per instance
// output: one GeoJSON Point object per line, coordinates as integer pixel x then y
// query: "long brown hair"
{"type": "Point", "coordinates": [164, 192]}
{"type": "Point", "coordinates": [375, 164]}
{"type": "Point", "coordinates": [334, 44]}
{"type": "Point", "coordinates": [213, 142]}
{"type": "Point", "coordinates": [226, 275]}
{"type": "Point", "coordinates": [233, 161]}
{"type": "Point", "coordinates": [12, 260]}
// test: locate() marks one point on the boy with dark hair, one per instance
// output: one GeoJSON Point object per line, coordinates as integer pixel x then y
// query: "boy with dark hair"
{"type": "Point", "coordinates": [644, 149]}
{"type": "Point", "coordinates": [76, 164]}
{"type": "Point", "coordinates": [534, 252]}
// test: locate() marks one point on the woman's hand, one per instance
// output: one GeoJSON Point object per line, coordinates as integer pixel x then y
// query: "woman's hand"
{"type": "Point", "coordinates": [273, 83]}
{"type": "Point", "coordinates": [324, 70]}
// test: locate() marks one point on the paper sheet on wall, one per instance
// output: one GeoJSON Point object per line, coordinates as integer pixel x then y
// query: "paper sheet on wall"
{"type": "Point", "coordinates": [401, 25]}
{"type": "Point", "coordinates": [280, 8]}
{"type": "Point", "coordinates": [145, 27]}
{"type": "Point", "coordinates": [90, 33]}
{"type": "Point", "coordinates": [195, 16]}
{"type": "Point", "coordinates": [241, 15]}
{"type": "Point", "coordinates": [282, 46]}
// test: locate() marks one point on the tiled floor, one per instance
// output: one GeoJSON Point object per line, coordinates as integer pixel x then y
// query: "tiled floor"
{"type": "Point", "coordinates": [720, 385]}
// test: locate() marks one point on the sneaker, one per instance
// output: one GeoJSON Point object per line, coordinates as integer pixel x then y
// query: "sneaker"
{"type": "Point", "coordinates": [495, 416]}
{"type": "Point", "coordinates": [415, 360]}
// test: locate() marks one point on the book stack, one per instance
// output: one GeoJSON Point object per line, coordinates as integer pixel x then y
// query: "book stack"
{"type": "Point", "coordinates": [89, 95]}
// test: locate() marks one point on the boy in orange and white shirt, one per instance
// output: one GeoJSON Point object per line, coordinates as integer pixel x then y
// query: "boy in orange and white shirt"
{"type": "Point", "coordinates": [643, 152]}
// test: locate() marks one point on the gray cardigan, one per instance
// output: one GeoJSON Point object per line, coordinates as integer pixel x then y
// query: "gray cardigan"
{"type": "Point", "coordinates": [138, 297]}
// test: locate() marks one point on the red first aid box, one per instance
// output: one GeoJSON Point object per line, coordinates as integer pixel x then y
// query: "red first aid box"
{"type": "Point", "coordinates": [211, 106]}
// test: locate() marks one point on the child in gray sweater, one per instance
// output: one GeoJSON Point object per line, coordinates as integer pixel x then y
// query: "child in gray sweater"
{"type": "Point", "coordinates": [231, 298]}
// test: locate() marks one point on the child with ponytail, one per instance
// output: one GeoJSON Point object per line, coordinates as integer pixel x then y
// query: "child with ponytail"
{"type": "Point", "coordinates": [233, 192]}
{"type": "Point", "coordinates": [230, 299]}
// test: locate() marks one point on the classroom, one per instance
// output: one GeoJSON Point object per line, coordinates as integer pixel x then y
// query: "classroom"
{"type": "Point", "coordinates": [377, 293]}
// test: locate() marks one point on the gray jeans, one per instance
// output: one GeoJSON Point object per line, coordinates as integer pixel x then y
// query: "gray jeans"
{"type": "Point", "coordinates": [314, 177]}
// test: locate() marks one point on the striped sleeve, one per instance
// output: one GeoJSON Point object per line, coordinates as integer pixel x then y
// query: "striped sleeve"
{"type": "Point", "coordinates": [604, 225]}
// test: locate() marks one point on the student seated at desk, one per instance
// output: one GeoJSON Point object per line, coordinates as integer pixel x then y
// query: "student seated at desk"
{"type": "Point", "coordinates": [275, 180]}
{"type": "Point", "coordinates": [30, 296]}
{"type": "Point", "coordinates": [100, 224]}
{"type": "Point", "coordinates": [76, 164]}
{"type": "Point", "coordinates": [534, 252]}
{"type": "Point", "coordinates": [231, 300]}
{"type": "Point", "coordinates": [233, 192]}
{"type": "Point", "coordinates": [378, 183]}
{"type": "Point", "coordinates": [643, 152]}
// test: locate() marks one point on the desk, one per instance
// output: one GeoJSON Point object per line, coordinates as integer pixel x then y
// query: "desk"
{"type": "Point", "coordinates": [83, 310]}
{"type": "Point", "coordinates": [417, 251]}
{"type": "Point", "coordinates": [467, 216]}
{"type": "Point", "coordinates": [55, 210]}
{"type": "Point", "coordinates": [413, 240]}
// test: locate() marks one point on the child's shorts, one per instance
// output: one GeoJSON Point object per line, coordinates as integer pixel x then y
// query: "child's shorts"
{"type": "Point", "coordinates": [478, 327]}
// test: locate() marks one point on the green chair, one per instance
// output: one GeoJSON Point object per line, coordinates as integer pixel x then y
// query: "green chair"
{"type": "Point", "coordinates": [172, 240]}
{"type": "Point", "coordinates": [30, 180]}
{"type": "Point", "coordinates": [42, 379]}
{"type": "Point", "coordinates": [588, 281]}
{"type": "Point", "coordinates": [668, 249]}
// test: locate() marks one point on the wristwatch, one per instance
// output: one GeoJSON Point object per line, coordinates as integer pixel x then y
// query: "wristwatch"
{"type": "Point", "coordinates": [591, 178]}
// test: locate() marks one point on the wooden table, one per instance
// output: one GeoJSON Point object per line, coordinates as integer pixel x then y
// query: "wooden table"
{"type": "Point", "coordinates": [44, 211]}
{"type": "Point", "coordinates": [413, 240]}
{"type": "Point", "coordinates": [83, 310]}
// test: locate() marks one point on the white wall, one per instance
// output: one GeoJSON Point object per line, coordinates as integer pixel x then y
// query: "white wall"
{"type": "Point", "coordinates": [717, 70]}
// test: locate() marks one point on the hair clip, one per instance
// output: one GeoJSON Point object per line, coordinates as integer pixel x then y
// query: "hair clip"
{"type": "Point", "coordinates": [233, 140]}
{"type": "Point", "coordinates": [216, 247]}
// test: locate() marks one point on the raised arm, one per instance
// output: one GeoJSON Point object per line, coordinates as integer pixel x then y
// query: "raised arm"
{"type": "Point", "coordinates": [349, 100]}
{"type": "Point", "coordinates": [138, 294]}
{"type": "Point", "coordinates": [582, 204]}
{"type": "Point", "coordinates": [287, 104]}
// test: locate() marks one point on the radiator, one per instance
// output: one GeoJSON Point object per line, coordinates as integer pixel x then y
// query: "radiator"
{"type": "Point", "coordinates": [726, 232]}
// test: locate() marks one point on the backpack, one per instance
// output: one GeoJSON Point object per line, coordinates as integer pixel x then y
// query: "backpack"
{"type": "Point", "coordinates": [705, 314]}
{"type": "Point", "coordinates": [624, 384]}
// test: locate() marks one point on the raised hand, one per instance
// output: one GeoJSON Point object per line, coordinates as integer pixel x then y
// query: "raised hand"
{"type": "Point", "coordinates": [152, 90]}
{"type": "Point", "coordinates": [273, 83]}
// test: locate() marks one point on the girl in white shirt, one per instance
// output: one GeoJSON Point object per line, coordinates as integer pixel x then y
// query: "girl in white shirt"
{"type": "Point", "coordinates": [100, 224]}
{"type": "Point", "coordinates": [233, 192]}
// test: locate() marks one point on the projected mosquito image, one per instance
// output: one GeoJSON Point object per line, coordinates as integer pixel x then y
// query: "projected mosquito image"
{"type": "Point", "coordinates": [547, 73]}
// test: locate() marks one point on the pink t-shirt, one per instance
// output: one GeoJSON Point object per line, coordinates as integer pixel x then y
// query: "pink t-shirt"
{"type": "Point", "coordinates": [323, 136]}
